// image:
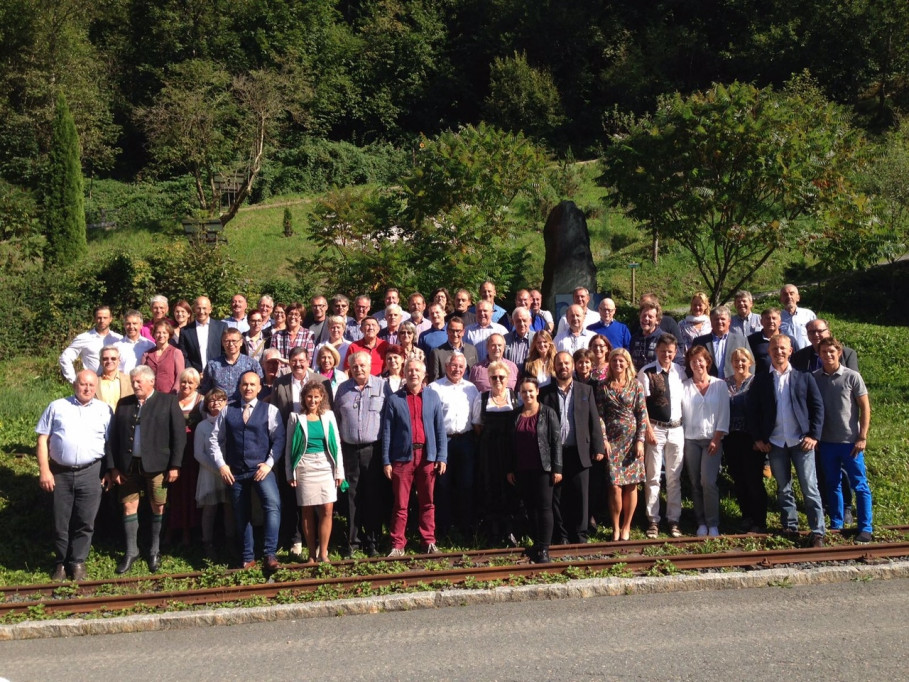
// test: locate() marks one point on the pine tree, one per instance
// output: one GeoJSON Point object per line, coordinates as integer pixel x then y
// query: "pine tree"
{"type": "Point", "coordinates": [64, 208]}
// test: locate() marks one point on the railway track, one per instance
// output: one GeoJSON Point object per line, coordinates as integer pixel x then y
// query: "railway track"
{"type": "Point", "coordinates": [296, 582]}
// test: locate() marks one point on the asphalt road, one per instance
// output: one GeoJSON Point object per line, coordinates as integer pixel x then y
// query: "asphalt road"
{"type": "Point", "coordinates": [845, 631]}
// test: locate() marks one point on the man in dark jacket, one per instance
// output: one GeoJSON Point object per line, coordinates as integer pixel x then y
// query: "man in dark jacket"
{"type": "Point", "coordinates": [785, 416]}
{"type": "Point", "coordinates": [582, 444]}
{"type": "Point", "coordinates": [145, 451]}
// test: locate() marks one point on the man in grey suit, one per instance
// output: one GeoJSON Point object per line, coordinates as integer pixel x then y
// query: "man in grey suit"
{"type": "Point", "coordinates": [720, 342]}
{"type": "Point", "coordinates": [438, 359]}
{"type": "Point", "coordinates": [201, 340]}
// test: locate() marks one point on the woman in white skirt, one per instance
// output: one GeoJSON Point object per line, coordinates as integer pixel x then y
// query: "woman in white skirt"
{"type": "Point", "coordinates": [314, 466]}
{"type": "Point", "coordinates": [210, 489]}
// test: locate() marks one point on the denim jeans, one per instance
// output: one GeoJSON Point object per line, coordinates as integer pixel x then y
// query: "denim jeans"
{"type": "Point", "coordinates": [781, 461]}
{"type": "Point", "coordinates": [241, 496]}
{"type": "Point", "coordinates": [833, 457]}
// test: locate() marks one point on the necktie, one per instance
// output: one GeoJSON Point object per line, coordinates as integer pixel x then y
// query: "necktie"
{"type": "Point", "coordinates": [247, 409]}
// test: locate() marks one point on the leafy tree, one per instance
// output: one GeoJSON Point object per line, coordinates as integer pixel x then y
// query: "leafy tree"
{"type": "Point", "coordinates": [452, 218]}
{"type": "Point", "coordinates": [64, 208]}
{"type": "Point", "coordinates": [45, 47]}
{"type": "Point", "coordinates": [214, 125]}
{"type": "Point", "coordinates": [522, 97]}
{"type": "Point", "coordinates": [733, 173]}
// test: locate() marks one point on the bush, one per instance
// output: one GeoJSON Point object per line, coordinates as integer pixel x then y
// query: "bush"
{"type": "Point", "coordinates": [143, 205]}
{"type": "Point", "coordinates": [315, 165]}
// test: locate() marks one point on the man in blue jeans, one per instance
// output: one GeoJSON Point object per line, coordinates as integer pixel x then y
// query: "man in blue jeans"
{"type": "Point", "coordinates": [785, 414]}
{"type": "Point", "coordinates": [847, 416]}
{"type": "Point", "coordinates": [246, 442]}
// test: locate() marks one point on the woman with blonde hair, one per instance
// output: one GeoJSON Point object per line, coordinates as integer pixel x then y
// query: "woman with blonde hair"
{"type": "Point", "coordinates": [620, 400]}
{"type": "Point", "coordinates": [314, 466]}
{"type": "Point", "coordinates": [696, 323]}
{"type": "Point", "coordinates": [541, 358]}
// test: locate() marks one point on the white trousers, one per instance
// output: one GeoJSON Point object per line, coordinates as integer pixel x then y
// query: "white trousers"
{"type": "Point", "coordinates": [669, 453]}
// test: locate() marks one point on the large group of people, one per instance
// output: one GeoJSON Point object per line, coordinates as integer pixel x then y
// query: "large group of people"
{"type": "Point", "coordinates": [454, 415]}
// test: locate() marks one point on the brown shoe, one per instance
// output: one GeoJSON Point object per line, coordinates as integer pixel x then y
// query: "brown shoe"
{"type": "Point", "coordinates": [78, 572]}
{"type": "Point", "coordinates": [817, 540]}
{"type": "Point", "coordinates": [59, 574]}
{"type": "Point", "coordinates": [248, 565]}
{"type": "Point", "coordinates": [270, 564]}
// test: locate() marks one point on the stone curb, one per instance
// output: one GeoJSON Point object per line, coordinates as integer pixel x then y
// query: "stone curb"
{"type": "Point", "coordinates": [574, 589]}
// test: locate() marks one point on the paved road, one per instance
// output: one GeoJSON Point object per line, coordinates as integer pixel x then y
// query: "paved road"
{"type": "Point", "coordinates": [841, 631]}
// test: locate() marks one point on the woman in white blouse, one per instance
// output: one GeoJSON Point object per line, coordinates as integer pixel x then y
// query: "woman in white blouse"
{"type": "Point", "coordinates": [705, 419]}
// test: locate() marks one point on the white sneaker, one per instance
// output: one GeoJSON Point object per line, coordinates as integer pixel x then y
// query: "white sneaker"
{"type": "Point", "coordinates": [296, 550]}
{"type": "Point", "coordinates": [702, 531]}
{"type": "Point", "coordinates": [396, 552]}
{"type": "Point", "coordinates": [713, 532]}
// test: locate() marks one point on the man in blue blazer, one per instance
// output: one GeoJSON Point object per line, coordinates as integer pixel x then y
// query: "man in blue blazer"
{"type": "Point", "coordinates": [414, 450]}
{"type": "Point", "coordinates": [200, 341]}
{"type": "Point", "coordinates": [785, 415]}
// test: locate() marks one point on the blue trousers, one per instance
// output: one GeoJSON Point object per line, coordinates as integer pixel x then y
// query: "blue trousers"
{"type": "Point", "coordinates": [782, 459]}
{"type": "Point", "coordinates": [241, 496]}
{"type": "Point", "coordinates": [839, 455]}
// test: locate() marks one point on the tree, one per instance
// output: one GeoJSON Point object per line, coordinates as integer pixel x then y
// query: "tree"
{"type": "Point", "coordinates": [216, 127]}
{"type": "Point", "coordinates": [451, 219]}
{"type": "Point", "coordinates": [733, 173]}
{"type": "Point", "coordinates": [288, 222]}
{"type": "Point", "coordinates": [522, 97]}
{"type": "Point", "coordinates": [64, 208]}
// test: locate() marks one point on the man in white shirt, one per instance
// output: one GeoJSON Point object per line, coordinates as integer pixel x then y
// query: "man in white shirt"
{"type": "Point", "coordinates": [87, 346]}
{"type": "Point", "coordinates": [477, 333]}
{"type": "Point", "coordinates": [72, 434]}
{"type": "Point", "coordinates": [664, 440]}
{"type": "Point", "coordinates": [581, 296]}
{"type": "Point", "coordinates": [237, 319]}
{"type": "Point", "coordinates": [456, 395]}
{"type": "Point", "coordinates": [575, 335]}
{"type": "Point", "coordinates": [133, 345]}
{"type": "Point", "coordinates": [794, 319]}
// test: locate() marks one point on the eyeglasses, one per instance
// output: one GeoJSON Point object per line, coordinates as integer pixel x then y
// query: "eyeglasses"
{"type": "Point", "coordinates": [497, 378]}
{"type": "Point", "coordinates": [231, 342]}
{"type": "Point", "coordinates": [817, 331]}
{"type": "Point", "coordinates": [109, 360]}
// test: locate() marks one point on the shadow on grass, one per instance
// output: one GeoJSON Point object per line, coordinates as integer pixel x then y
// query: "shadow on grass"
{"type": "Point", "coordinates": [877, 295]}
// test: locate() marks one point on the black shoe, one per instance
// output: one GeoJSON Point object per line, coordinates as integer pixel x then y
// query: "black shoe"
{"type": "Point", "coordinates": [848, 518]}
{"type": "Point", "coordinates": [817, 540]}
{"type": "Point", "coordinates": [126, 564]}
{"type": "Point", "coordinates": [347, 552]}
{"type": "Point", "coordinates": [59, 574]}
{"type": "Point", "coordinates": [543, 557]}
{"type": "Point", "coordinates": [78, 572]}
{"type": "Point", "coordinates": [154, 562]}
{"type": "Point", "coordinates": [371, 551]}
{"type": "Point", "coordinates": [863, 538]}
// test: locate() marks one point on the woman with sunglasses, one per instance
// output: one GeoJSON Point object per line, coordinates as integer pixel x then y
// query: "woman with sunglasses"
{"type": "Point", "coordinates": [492, 415]}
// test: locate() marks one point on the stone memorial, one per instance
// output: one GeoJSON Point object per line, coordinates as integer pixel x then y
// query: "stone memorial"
{"type": "Point", "coordinates": [569, 262]}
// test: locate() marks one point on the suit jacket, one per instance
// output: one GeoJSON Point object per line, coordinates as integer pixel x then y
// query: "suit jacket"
{"type": "Point", "coordinates": [189, 343]}
{"type": "Point", "coordinates": [435, 364]}
{"type": "Point", "coordinates": [733, 340]}
{"type": "Point", "coordinates": [587, 430]}
{"type": "Point", "coordinates": [397, 436]}
{"type": "Point", "coordinates": [282, 393]}
{"type": "Point", "coordinates": [162, 433]}
{"type": "Point", "coordinates": [801, 359]}
{"type": "Point", "coordinates": [807, 405]}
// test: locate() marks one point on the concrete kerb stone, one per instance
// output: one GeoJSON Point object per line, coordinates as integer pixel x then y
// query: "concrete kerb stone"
{"type": "Point", "coordinates": [574, 589]}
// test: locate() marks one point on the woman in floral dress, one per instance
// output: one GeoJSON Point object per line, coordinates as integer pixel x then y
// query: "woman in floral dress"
{"type": "Point", "coordinates": [620, 400]}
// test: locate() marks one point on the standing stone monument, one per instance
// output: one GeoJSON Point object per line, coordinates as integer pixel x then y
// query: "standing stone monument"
{"type": "Point", "coordinates": [569, 262]}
